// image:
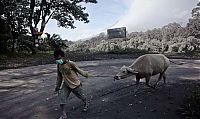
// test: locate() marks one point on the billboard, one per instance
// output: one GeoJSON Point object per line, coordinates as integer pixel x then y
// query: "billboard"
{"type": "Point", "coordinates": [116, 33]}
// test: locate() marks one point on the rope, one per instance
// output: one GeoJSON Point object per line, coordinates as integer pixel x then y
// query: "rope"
{"type": "Point", "coordinates": [101, 76]}
{"type": "Point", "coordinates": [182, 63]}
{"type": "Point", "coordinates": [177, 63]}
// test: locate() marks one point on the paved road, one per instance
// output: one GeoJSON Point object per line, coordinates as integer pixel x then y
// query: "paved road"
{"type": "Point", "coordinates": [27, 93]}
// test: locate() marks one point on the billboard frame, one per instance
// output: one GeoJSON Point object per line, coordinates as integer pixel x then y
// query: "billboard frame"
{"type": "Point", "coordinates": [116, 33]}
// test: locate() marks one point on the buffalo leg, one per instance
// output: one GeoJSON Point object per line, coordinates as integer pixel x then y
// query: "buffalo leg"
{"type": "Point", "coordinates": [147, 82]}
{"type": "Point", "coordinates": [164, 78]}
{"type": "Point", "coordinates": [159, 78]}
{"type": "Point", "coordinates": [137, 84]}
{"type": "Point", "coordinates": [137, 79]}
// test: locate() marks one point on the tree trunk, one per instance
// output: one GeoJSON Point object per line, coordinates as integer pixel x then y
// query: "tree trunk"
{"type": "Point", "coordinates": [13, 45]}
{"type": "Point", "coordinates": [32, 5]}
{"type": "Point", "coordinates": [33, 49]}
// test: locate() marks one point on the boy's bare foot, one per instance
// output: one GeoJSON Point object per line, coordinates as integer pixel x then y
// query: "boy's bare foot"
{"type": "Point", "coordinates": [63, 116]}
{"type": "Point", "coordinates": [85, 108]}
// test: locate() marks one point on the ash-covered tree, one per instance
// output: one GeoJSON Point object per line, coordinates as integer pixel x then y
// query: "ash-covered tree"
{"type": "Point", "coordinates": [194, 22]}
{"type": "Point", "coordinates": [65, 12]}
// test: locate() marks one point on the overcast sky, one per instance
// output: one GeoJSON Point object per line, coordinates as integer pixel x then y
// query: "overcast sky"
{"type": "Point", "coordinates": [136, 15]}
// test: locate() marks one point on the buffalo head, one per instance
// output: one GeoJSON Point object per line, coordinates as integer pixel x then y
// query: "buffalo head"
{"type": "Point", "coordinates": [124, 73]}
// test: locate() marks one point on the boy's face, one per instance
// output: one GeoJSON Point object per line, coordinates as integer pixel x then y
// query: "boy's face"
{"type": "Point", "coordinates": [59, 60]}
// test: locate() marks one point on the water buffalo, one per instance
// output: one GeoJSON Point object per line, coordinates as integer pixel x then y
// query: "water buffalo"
{"type": "Point", "coordinates": [144, 67]}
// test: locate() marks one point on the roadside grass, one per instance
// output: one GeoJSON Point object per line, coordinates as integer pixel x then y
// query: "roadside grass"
{"type": "Point", "coordinates": [17, 60]}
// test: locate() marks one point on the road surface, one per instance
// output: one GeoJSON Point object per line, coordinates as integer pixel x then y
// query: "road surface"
{"type": "Point", "coordinates": [27, 93]}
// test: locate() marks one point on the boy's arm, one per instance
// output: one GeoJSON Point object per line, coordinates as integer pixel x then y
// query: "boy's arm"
{"type": "Point", "coordinates": [77, 69]}
{"type": "Point", "coordinates": [59, 79]}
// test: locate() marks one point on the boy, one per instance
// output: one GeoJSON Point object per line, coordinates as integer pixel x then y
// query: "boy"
{"type": "Point", "coordinates": [68, 81]}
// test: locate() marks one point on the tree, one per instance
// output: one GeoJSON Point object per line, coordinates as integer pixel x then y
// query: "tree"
{"type": "Point", "coordinates": [65, 12]}
{"type": "Point", "coordinates": [169, 31]}
{"type": "Point", "coordinates": [14, 14]}
{"type": "Point", "coordinates": [3, 36]}
{"type": "Point", "coordinates": [20, 14]}
{"type": "Point", "coordinates": [194, 23]}
{"type": "Point", "coordinates": [56, 41]}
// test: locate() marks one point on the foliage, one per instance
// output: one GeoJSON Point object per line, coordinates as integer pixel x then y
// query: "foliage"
{"type": "Point", "coordinates": [169, 38]}
{"type": "Point", "coordinates": [24, 44]}
{"type": "Point", "coordinates": [79, 46]}
{"type": "Point", "coordinates": [56, 41]}
{"type": "Point", "coordinates": [64, 11]}
{"type": "Point", "coordinates": [15, 15]}
{"type": "Point", "coordinates": [194, 22]}
{"type": "Point", "coordinates": [20, 14]}
{"type": "Point", "coordinates": [4, 36]}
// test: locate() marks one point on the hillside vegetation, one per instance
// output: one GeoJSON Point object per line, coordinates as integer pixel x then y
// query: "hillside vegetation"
{"type": "Point", "coordinates": [168, 39]}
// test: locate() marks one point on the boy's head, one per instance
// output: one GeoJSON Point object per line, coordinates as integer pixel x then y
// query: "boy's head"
{"type": "Point", "coordinates": [58, 53]}
{"type": "Point", "coordinates": [59, 56]}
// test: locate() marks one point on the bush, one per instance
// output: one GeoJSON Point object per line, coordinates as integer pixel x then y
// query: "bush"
{"type": "Point", "coordinates": [127, 51]}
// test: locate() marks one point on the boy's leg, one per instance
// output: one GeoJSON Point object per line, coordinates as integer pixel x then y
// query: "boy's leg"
{"type": "Point", "coordinates": [62, 95]}
{"type": "Point", "coordinates": [63, 115]}
{"type": "Point", "coordinates": [80, 94]}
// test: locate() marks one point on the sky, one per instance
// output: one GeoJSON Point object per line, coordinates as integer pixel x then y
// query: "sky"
{"type": "Point", "coordinates": [135, 15]}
